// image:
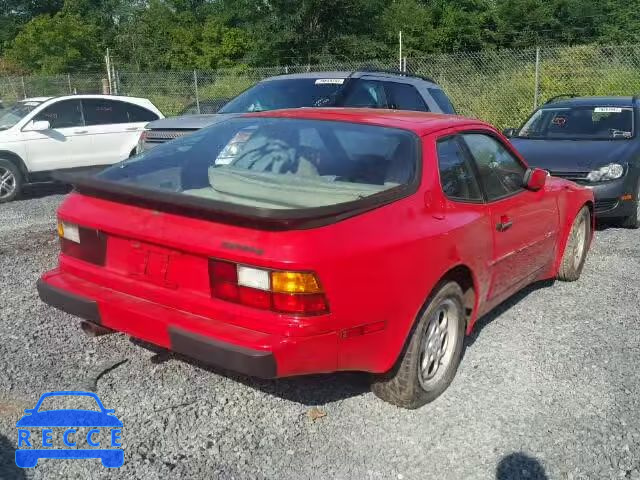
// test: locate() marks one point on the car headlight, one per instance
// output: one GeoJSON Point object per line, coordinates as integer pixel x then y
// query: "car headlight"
{"type": "Point", "coordinates": [608, 172]}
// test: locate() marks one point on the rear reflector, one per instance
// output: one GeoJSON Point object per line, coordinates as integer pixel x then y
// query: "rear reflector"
{"type": "Point", "coordinates": [296, 293]}
{"type": "Point", "coordinates": [363, 330]}
{"type": "Point", "coordinates": [82, 243]}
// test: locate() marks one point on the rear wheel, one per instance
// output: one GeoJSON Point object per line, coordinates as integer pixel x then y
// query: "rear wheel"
{"type": "Point", "coordinates": [431, 357]}
{"type": "Point", "coordinates": [10, 181]}
{"type": "Point", "coordinates": [633, 221]}
{"type": "Point", "coordinates": [575, 252]}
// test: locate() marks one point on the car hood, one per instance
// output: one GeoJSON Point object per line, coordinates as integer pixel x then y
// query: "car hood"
{"type": "Point", "coordinates": [189, 122]}
{"type": "Point", "coordinates": [69, 418]}
{"type": "Point", "coordinates": [574, 155]}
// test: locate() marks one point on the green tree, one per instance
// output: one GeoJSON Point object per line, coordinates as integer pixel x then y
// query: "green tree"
{"type": "Point", "coordinates": [222, 46]}
{"type": "Point", "coordinates": [463, 24]}
{"type": "Point", "coordinates": [56, 44]}
{"type": "Point", "coordinates": [415, 21]}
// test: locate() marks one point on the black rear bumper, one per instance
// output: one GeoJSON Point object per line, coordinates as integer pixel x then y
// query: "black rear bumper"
{"type": "Point", "coordinates": [255, 363]}
{"type": "Point", "coordinates": [76, 305]}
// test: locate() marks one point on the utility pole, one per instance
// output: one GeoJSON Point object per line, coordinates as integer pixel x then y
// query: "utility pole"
{"type": "Point", "coordinates": [107, 60]}
{"type": "Point", "coordinates": [195, 84]}
{"type": "Point", "coordinates": [400, 48]}
{"type": "Point", "coordinates": [537, 84]}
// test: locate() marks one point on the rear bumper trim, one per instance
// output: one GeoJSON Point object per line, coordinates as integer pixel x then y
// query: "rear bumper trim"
{"type": "Point", "coordinates": [69, 302]}
{"type": "Point", "coordinates": [255, 363]}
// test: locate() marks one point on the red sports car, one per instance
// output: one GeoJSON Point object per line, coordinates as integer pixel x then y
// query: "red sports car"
{"type": "Point", "coordinates": [315, 240]}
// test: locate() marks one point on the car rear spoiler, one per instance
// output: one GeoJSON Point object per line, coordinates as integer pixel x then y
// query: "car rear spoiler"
{"type": "Point", "coordinates": [242, 215]}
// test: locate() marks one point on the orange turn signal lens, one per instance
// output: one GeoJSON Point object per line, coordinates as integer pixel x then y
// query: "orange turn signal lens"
{"type": "Point", "coordinates": [294, 282]}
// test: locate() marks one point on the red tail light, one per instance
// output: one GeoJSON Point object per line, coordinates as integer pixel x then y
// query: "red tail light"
{"type": "Point", "coordinates": [297, 293]}
{"type": "Point", "coordinates": [83, 243]}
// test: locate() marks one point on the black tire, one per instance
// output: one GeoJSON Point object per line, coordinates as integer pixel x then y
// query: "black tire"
{"type": "Point", "coordinates": [11, 181]}
{"type": "Point", "coordinates": [405, 384]}
{"type": "Point", "coordinates": [633, 221]}
{"type": "Point", "coordinates": [575, 252]}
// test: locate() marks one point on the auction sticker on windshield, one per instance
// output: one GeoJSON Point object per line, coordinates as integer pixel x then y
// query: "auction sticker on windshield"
{"type": "Point", "coordinates": [607, 110]}
{"type": "Point", "coordinates": [329, 81]}
{"type": "Point", "coordinates": [58, 428]}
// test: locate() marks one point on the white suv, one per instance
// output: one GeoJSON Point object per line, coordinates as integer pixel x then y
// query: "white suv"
{"type": "Point", "coordinates": [40, 135]}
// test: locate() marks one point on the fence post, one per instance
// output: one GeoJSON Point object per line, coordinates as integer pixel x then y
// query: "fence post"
{"type": "Point", "coordinates": [195, 84]}
{"type": "Point", "coordinates": [537, 87]}
{"type": "Point", "coordinates": [69, 82]}
{"type": "Point", "coordinates": [24, 89]}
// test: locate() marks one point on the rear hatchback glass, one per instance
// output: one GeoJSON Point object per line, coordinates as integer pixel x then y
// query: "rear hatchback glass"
{"type": "Point", "coordinates": [276, 163]}
{"type": "Point", "coordinates": [287, 93]}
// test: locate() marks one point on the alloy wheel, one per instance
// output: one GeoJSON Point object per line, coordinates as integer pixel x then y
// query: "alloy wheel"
{"type": "Point", "coordinates": [580, 240]}
{"type": "Point", "coordinates": [7, 182]}
{"type": "Point", "coordinates": [438, 343]}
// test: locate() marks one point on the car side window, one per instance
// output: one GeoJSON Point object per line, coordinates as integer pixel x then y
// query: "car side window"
{"type": "Point", "coordinates": [136, 114]}
{"type": "Point", "coordinates": [367, 94]}
{"type": "Point", "coordinates": [456, 174]}
{"type": "Point", "coordinates": [500, 172]}
{"type": "Point", "coordinates": [63, 114]}
{"type": "Point", "coordinates": [104, 112]}
{"type": "Point", "coordinates": [404, 97]}
{"type": "Point", "coordinates": [442, 100]}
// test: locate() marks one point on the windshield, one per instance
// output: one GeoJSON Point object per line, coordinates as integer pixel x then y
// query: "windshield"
{"type": "Point", "coordinates": [578, 123]}
{"type": "Point", "coordinates": [11, 116]}
{"type": "Point", "coordinates": [205, 107]}
{"type": "Point", "coordinates": [288, 93]}
{"type": "Point", "coordinates": [276, 163]}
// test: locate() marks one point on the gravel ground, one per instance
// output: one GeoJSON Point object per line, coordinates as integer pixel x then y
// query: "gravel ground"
{"type": "Point", "coordinates": [548, 388]}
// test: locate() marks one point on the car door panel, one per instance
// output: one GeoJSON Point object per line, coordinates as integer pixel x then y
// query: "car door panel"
{"type": "Point", "coordinates": [114, 127]}
{"type": "Point", "coordinates": [62, 146]}
{"type": "Point", "coordinates": [526, 246]}
{"type": "Point", "coordinates": [525, 223]}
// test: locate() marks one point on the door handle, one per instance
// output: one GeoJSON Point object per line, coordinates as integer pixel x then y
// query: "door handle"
{"type": "Point", "coordinates": [505, 224]}
{"type": "Point", "coordinates": [132, 129]}
{"type": "Point", "coordinates": [80, 131]}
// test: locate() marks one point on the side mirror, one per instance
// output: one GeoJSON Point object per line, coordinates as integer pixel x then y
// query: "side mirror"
{"type": "Point", "coordinates": [535, 179]}
{"type": "Point", "coordinates": [37, 126]}
{"type": "Point", "coordinates": [510, 132]}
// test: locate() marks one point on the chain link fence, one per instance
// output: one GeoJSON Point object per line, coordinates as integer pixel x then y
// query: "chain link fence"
{"type": "Point", "coordinates": [501, 87]}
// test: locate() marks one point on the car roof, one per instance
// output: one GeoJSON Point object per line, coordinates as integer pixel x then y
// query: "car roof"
{"type": "Point", "coordinates": [421, 123]}
{"type": "Point", "coordinates": [36, 99]}
{"type": "Point", "coordinates": [353, 74]}
{"type": "Point", "coordinates": [89, 95]}
{"type": "Point", "coordinates": [594, 102]}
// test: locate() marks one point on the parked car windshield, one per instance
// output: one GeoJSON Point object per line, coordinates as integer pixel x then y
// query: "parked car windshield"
{"type": "Point", "coordinates": [578, 123]}
{"type": "Point", "coordinates": [287, 93]}
{"type": "Point", "coordinates": [276, 163]}
{"type": "Point", "coordinates": [204, 107]}
{"type": "Point", "coordinates": [11, 116]}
